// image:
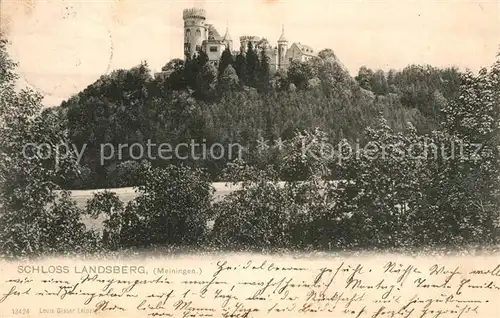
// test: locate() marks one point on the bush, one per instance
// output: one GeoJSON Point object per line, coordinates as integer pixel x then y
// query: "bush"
{"type": "Point", "coordinates": [53, 229]}
{"type": "Point", "coordinates": [173, 207]}
{"type": "Point", "coordinates": [127, 174]}
{"type": "Point", "coordinates": [306, 155]}
{"type": "Point", "coordinates": [266, 213]}
{"type": "Point", "coordinates": [256, 216]}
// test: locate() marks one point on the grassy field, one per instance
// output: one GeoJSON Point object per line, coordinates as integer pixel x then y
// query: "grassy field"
{"type": "Point", "coordinates": [128, 194]}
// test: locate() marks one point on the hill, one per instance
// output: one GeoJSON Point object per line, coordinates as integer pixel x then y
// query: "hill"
{"type": "Point", "coordinates": [239, 102]}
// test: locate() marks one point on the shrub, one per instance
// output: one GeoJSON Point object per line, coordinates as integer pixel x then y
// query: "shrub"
{"type": "Point", "coordinates": [128, 173]}
{"type": "Point", "coordinates": [174, 204]}
{"type": "Point", "coordinates": [256, 216]}
{"type": "Point", "coordinates": [266, 213]}
{"type": "Point", "coordinates": [306, 155]}
{"type": "Point", "coordinates": [52, 229]}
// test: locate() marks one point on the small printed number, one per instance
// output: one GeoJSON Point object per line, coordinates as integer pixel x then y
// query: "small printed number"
{"type": "Point", "coordinates": [22, 311]}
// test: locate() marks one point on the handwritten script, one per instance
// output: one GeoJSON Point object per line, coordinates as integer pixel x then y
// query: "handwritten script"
{"type": "Point", "coordinates": [255, 286]}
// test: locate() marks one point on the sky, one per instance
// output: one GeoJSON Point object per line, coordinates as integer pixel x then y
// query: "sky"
{"type": "Point", "coordinates": [63, 46]}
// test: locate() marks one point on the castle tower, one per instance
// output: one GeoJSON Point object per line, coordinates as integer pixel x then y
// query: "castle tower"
{"type": "Point", "coordinates": [282, 48]}
{"type": "Point", "coordinates": [195, 30]}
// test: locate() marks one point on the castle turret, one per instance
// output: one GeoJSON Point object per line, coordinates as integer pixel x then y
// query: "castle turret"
{"type": "Point", "coordinates": [195, 31]}
{"type": "Point", "coordinates": [282, 49]}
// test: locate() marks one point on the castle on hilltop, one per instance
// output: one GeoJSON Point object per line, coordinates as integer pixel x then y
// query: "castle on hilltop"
{"type": "Point", "coordinates": [201, 36]}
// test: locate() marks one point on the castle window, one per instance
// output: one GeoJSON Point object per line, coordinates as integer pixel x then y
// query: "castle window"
{"type": "Point", "coordinates": [186, 47]}
{"type": "Point", "coordinates": [198, 48]}
{"type": "Point", "coordinates": [198, 32]}
{"type": "Point", "coordinates": [213, 49]}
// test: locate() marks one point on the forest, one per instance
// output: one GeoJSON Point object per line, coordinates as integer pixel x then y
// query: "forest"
{"type": "Point", "coordinates": [241, 101]}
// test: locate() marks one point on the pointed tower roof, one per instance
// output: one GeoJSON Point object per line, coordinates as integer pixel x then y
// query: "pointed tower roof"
{"type": "Point", "coordinates": [282, 37]}
{"type": "Point", "coordinates": [227, 36]}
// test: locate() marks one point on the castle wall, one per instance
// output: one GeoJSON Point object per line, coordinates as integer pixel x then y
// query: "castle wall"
{"type": "Point", "coordinates": [214, 50]}
{"type": "Point", "coordinates": [273, 60]}
{"type": "Point", "coordinates": [244, 42]}
{"type": "Point", "coordinates": [199, 35]}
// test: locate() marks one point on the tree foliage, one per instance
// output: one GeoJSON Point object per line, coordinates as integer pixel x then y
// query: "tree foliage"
{"type": "Point", "coordinates": [33, 220]}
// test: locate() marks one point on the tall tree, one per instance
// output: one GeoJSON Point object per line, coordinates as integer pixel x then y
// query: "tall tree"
{"type": "Point", "coordinates": [240, 66]}
{"type": "Point", "coordinates": [206, 81]}
{"type": "Point", "coordinates": [264, 71]}
{"type": "Point", "coordinates": [327, 53]}
{"type": "Point", "coordinates": [379, 83]}
{"type": "Point", "coordinates": [193, 68]}
{"type": "Point", "coordinates": [175, 75]}
{"type": "Point", "coordinates": [173, 65]}
{"type": "Point", "coordinates": [364, 77]}
{"type": "Point", "coordinates": [202, 58]}
{"type": "Point", "coordinates": [229, 79]}
{"type": "Point", "coordinates": [252, 69]}
{"type": "Point", "coordinates": [467, 182]}
{"type": "Point", "coordinates": [226, 59]}
{"type": "Point", "coordinates": [299, 74]}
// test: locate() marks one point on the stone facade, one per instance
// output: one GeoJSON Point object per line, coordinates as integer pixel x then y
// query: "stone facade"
{"type": "Point", "coordinates": [199, 35]}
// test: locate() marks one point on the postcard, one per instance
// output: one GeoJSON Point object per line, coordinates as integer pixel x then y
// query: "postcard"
{"type": "Point", "coordinates": [244, 159]}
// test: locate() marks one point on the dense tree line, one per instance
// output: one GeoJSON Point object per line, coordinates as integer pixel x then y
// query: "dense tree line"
{"type": "Point", "coordinates": [240, 101]}
{"type": "Point", "coordinates": [425, 88]}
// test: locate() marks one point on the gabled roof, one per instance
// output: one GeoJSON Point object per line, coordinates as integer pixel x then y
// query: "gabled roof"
{"type": "Point", "coordinates": [213, 35]}
{"type": "Point", "coordinates": [305, 49]}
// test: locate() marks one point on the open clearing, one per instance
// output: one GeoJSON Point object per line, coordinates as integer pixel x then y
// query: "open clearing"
{"type": "Point", "coordinates": [128, 194]}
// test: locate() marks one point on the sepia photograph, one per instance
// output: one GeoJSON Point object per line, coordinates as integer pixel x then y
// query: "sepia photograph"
{"type": "Point", "coordinates": [249, 158]}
